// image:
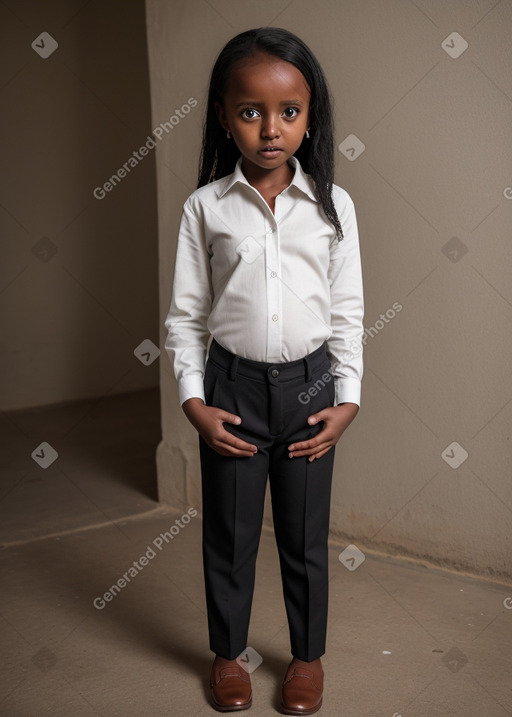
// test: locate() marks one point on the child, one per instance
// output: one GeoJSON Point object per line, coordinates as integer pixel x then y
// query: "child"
{"type": "Point", "coordinates": [267, 264]}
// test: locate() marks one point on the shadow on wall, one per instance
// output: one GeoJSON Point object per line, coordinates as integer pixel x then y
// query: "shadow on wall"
{"type": "Point", "coordinates": [79, 276]}
{"type": "Point", "coordinates": [81, 266]}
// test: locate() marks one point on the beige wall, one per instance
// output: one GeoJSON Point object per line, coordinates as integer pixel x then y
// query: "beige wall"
{"type": "Point", "coordinates": [436, 166]}
{"type": "Point", "coordinates": [78, 275]}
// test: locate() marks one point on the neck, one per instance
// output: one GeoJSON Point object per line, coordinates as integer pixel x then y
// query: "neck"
{"type": "Point", "coordinates": [266, 179]}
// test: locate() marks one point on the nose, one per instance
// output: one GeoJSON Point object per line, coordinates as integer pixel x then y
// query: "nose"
{"type": "Point", "coordinates": [270, 127]}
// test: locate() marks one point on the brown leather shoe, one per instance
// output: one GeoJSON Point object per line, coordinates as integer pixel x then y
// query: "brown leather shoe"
{"type": "Point", "coordinates": [302, 689]}
{"type": "Point", "coordinates": [230, 686]}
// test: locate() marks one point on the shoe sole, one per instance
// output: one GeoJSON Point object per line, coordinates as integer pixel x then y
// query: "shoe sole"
{"type": "Point", "coordinates": [230, 708]}
{"type": "Point", "coordinates": [288, 711]}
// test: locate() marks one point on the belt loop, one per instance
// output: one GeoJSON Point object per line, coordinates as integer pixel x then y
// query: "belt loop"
{"type": "Point", "coordinates": [308, 368]}
{"type": "Point", "coordinates": [233, 368]}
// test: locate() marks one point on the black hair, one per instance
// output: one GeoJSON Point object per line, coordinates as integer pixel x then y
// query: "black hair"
{"type": "Point", "coordinates": [316, 155]}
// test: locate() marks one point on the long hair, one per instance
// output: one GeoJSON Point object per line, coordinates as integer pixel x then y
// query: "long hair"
{"type": "Point", "coordinates": [316, 155]}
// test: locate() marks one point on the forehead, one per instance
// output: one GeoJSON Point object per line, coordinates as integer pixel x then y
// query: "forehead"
{"type": "Point", "coordinates": [266, 76]}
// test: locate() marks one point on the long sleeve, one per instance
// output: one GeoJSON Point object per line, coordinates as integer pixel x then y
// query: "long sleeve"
{"type": "Point", "coordinates": [186, 322]}
{"type": "Point", "coordinates": [344, 346]}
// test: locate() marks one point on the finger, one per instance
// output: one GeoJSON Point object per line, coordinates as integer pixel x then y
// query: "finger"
{"type": "Point", "coordinates": [226, 448]}
{"type": "Point", "coordinates": [322, 447]}
{"type": "Point", "coordinates": [321, 437]}
{"type": "Point", "coordinates": [317, 417]}
{"type": "Point", "coordinates": [228, 439]}
{"type": "Point", "coordinates": [316, 456]}
{"type": "Point", "coordinates": [234, 452]}
{"type": "Point", "coordinates": [302, 446]}
{"type": "Point", "coordinates": [226, 417]}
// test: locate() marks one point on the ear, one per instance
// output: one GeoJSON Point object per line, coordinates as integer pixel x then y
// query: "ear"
{"type": "Point", "coordinates": [221, 115]}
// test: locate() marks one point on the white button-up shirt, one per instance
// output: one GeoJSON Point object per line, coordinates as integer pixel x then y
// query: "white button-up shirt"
{"type": "Point", "coordinates": [267, 286]}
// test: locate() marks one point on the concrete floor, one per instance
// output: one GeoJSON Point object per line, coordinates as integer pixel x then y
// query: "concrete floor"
{"type": "Point", "coordinates": [404, 640]}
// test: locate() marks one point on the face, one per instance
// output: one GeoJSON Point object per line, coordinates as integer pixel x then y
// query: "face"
{"type": "Point", "coordinates": [266, 109]}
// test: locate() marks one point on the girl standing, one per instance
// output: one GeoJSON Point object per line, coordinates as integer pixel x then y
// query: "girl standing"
{"type": "Point", "coordinates": [268, 265]}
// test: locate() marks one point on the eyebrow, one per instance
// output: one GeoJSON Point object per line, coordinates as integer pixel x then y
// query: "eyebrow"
{"type": "Point", "coordinates": [261, 104]}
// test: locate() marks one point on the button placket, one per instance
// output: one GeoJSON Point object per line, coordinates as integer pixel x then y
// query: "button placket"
{"type": "Point", "coordinates": [274, 300]}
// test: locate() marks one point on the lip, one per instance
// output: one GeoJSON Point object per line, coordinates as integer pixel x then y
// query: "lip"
{"type": "Point", "coordinates": [270, 150]}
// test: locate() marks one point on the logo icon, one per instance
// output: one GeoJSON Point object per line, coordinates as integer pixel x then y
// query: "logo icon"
{"type": "Point", "coordinates": [351, 557]}
{"type": "Point", "coordinates": [454, 45]}
{"type": "Point", "coordinates": [454, 249]}
{"type": "Point", "coordinates": [44, 454]}
{"type": "Point", "coordinates": [44, 249]}
{"type": "Point", "coordinates": [454, 659]}
{"type": "Point", "coordinates": [44, 45]}
{"type": "Point", "coordinates": [454, 455]}
{"type": "Point", "coordinates": [351, 147]}
{"type": "Point", "coordinates": [249, 249]}
{"type": "Point", "coordinates": [249, 659]}
{"type": "Point", "coordinates": [147, 352]}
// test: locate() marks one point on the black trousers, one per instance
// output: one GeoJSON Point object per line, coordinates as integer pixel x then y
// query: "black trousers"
{"type": "Point", "coordinates": [274, 402]}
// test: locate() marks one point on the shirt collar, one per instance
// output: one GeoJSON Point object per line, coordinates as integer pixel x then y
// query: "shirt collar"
{"type": "Point", "coordinates": [300, 179]}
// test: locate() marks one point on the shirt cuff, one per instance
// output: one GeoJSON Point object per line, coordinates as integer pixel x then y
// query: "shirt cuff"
{"type": "Point", "coordinates": [347, 390]}
{"type": "Point", "coordinates": [191, 386]}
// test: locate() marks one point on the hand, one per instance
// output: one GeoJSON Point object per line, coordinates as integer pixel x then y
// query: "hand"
{"type": "Point", "coordinates": [337, 419]}
{"type": "Point", "coordinates": [208, 422]}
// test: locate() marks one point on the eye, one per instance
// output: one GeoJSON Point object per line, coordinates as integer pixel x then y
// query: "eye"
{"type": "Point", "coordinates": [250, 113]}
{"type": "Point", "coordinates": [291, 112]}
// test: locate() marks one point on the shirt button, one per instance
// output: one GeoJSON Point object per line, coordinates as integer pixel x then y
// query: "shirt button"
{"type": "Point", "coordinates": [275, 373]}
{"type": "Point", "coordinates": [273, 274]}
{"type": "Point", "coordinates": [269, 230]}
{"type": "Point", "coordinates": [274, 317]}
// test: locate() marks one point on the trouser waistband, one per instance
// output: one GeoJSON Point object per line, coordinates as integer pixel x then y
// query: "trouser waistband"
{"type": "Point", "coordinates": [259, 370]}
